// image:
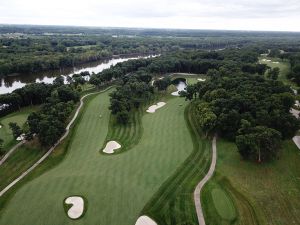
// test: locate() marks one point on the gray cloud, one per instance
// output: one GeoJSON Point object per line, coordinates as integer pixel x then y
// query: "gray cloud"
{"type": "Point", "coordinates": [201, 14]}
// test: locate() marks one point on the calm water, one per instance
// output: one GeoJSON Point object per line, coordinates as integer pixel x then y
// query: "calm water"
{"type": "Point", "coordinates": [10, 83]}
{"type": "Point", "coordinates": [180, 87]}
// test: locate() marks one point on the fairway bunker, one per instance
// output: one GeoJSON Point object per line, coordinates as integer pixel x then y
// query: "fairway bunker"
{"type": "Point", "coordinates": [199, 79]}
{"type": "Point", "coordinates": [111, 146]}
{"type": "Point", "coordinates": [77, 207]}
{"type": "Point", "coordinates": [153, 108]}
{"type": "Point", "coordinates": [145, 220]}
{"type": "Point", "coordinates": [296, 140]}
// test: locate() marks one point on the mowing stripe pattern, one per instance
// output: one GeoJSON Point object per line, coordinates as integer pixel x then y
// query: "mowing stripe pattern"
{"type": "Point", "coordinates": [173, 203]}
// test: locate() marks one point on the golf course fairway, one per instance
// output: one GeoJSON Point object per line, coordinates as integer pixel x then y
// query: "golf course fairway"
{"type": "Point", "coordinates": [117, 187]}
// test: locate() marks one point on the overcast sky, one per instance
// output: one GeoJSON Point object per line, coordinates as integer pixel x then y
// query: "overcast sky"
{"type": "Point", "coordinates": [281, 15]}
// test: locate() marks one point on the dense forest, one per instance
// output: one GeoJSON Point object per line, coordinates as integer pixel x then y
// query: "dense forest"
{"type": "Point", "coordinates": [25, 49]}
{"type": "Point", "coordinates": [238, 101]}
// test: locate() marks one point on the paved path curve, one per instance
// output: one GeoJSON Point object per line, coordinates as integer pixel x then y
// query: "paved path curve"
{"type": "Point", "coordinates": [52, 148]}
{"type": "Point", "coordinates": [200, 185]}
{"type": "Point", "coordinates": [11, 151]}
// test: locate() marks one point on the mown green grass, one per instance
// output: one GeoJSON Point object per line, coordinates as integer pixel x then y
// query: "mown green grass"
{"type": "Point", "coordinates": [265, 194]}
{"type": "Point", "coordinates": [174, 203]}
{"type": "Point", "coordinates": [127, 135]}
{"type": "Point", "coordinates": [223, 204]}
{"type": "Point", "coordinates": [18, 117]}
{"type": "Point", "coordinates": [284, 67]}
{"type": "Point", "coordinates": [190, 78]}
{"type": "Point", "coordinates": [116, 187]}
{"type": "Point", "coordinates": [24, 157]}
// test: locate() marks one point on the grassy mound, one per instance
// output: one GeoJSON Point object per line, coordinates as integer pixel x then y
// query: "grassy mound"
{"type": "Point", "coordinates": [264, 194]}
{"type": "Point", "coordinates": [173, 203]}
{"type": "Point", "coordinates": [223, 204]}
{"type": "Point", "coordinates": [126, 135]}
{"type": "Point", "coordinates": [18, 117]}
{"type": "Point", "coordinates": [23, 158]}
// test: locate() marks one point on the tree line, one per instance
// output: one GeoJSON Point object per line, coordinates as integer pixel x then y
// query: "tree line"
{"type": "Point", "coordinates": [243, 106]}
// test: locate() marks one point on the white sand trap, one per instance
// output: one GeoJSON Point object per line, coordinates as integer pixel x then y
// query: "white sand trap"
{"type": "Point", "coordinates": [295, 112]}
{"type": "Point", "coordinates": [276, 62]}
{"type": "Point", "coordinates": [21, 137]}
{"type": "Point", "coordinates": [77, 206]}
{"type": "Point", "coordinates": [111, 146]}
{"type": "Point", "coordinates": [199, 79]}
{"type": "Point", "coordinates": [153, 108]}
{"type": "Point", "coordinates": [0, 126]}
{"type": "Point", "coordinates": [268, 60]}
{"type": "Point", "coordinates": [296, 140]}
{"type": "Point", "coordinates": [145, 220]}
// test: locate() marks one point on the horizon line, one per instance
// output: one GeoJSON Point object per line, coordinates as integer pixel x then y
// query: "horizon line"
{"type": "Point", "coordinates": [147, 28]}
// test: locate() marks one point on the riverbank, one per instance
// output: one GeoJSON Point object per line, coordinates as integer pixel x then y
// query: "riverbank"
{"type": "Point", "coordinates": [10, 83]}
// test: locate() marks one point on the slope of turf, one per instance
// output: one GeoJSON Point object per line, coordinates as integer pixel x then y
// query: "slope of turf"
{"type": "Point", "coordinates": [18, 117]}
{"type": "Point", "coordinates": [265, 194]}
{"type": "Point", "coordinates": [24, 157]}
{"type": "Point", "coordinates": [127, 135]}
{"type": "Point", "coordinates": [284, 67]}
{"type": "Point", "coordinates": [223, 204]}
{"type": "Point", "coordinates": [173, 203]}
{"type": "Point", "coordinates": [116, 187]}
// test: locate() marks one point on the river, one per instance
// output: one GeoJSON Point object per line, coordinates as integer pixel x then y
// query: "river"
{"type": "Point", "coordinates": [10, 83]}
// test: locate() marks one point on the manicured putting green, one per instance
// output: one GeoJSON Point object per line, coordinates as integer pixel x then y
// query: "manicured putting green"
{"type": "Point", "coordinates": [223, 204]}
{"type": "Point", "coordinates": [18, 117]}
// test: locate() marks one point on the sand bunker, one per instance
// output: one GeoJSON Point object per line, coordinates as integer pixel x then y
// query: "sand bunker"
{"type": "Point", "coordinates": [296, 140]}
{"type": "Point", "coordinates": [77, 206]}
{"type": "Point", "coordinates": [276, 62]}
{"type": "Point", "coordinates": [295, 112]}
{"type": "Point", "coordinates": [199, 79]}
{"type": "Point", "coordinates": [111, 146]}
{"type": "Point", "coordinates": [145, 220]}
{"type": "Point", "coordinates": [153, 108]}
{"type": "Point", "coordinates": [21, 137]}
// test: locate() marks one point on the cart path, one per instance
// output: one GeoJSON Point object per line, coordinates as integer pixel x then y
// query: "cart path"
{"type": "Point", "coordinates": [4, 158]}
{"type": "Point", "coordinates": [200, 185]}
{"type": "Point", "coordinates": [8, 187]}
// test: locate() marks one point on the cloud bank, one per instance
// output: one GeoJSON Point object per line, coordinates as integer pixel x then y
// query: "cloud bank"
{"type": "Point", "coordinates": [194, 14]}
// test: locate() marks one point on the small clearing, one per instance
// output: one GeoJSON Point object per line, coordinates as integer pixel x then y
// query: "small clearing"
{"type": "Point", "coordinates": [153, 108]}
{"type": "Point", "coordinates": [77, 206]}
{"type": "Point", "coordinates": [111, 146]}
{"type": "Point", "coordinates": [145, 220]}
